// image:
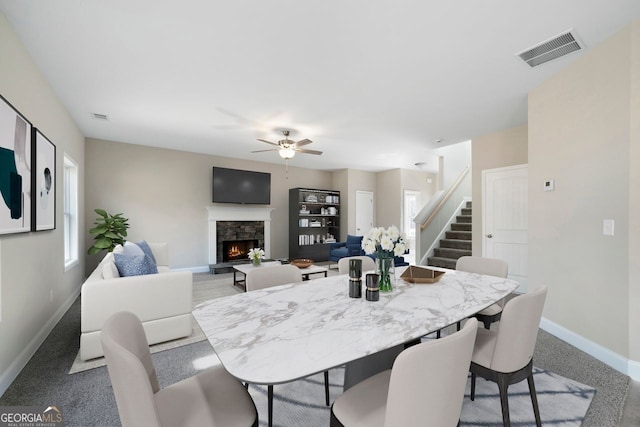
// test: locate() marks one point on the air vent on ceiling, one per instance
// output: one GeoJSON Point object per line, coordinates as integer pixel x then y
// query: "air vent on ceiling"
{"type": "Point", "coordinates": [99, 116]}
{"type": "Point", "coordinates": [553, 48]}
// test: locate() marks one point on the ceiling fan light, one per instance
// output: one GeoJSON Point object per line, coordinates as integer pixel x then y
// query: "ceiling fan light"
{"type": "Point", "coordinates": [287, 153]}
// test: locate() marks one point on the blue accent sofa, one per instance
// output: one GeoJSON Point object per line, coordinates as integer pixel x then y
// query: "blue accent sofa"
{"type": "Point", "coordinates": [351, 247]}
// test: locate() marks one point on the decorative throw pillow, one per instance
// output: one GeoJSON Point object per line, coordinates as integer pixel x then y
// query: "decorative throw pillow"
{"type": "Point", "coordinates": [132, 249]}
{"type": "Point", "coordinates": [109, 269]}
{"type": "Point", "coordinates": [147, 250]}
{"type": "Point", "coordinates": [134, 265]}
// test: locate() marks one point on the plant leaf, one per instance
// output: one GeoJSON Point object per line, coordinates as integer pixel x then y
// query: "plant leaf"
{"type": "Point", "coordinates": [103, 243]}
{"type": "Point", "coordinates": [93, 250]}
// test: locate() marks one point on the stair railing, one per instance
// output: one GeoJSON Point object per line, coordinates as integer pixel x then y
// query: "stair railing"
{"type": "Point", "coordinates": [439, 213]}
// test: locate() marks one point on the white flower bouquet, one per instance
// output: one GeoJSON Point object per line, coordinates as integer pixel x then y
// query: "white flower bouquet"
{"type": "Point", "coordinates": [256, 255]}
{"type": "Point", "coordinates": [384, 244]}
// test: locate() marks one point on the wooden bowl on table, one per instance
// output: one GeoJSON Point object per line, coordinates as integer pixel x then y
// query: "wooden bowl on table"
{"type": "Point", "coordinates": [301, 262]}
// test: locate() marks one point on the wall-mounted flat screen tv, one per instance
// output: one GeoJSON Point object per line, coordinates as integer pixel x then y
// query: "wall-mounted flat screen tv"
{"type": "Point", "coordinates": [240, 186]}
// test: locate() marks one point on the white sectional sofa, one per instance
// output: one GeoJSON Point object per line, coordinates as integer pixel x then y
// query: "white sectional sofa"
{"type": "Point", "coordinates": [162, 301]}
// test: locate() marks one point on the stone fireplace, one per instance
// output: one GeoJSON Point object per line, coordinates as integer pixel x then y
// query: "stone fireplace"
{"type": "Point", "coordinates": [237, 249]}
{"type": "Point", "coordinates": [235, 238]}
{"type": "Point", "coordinates": [238, 223]}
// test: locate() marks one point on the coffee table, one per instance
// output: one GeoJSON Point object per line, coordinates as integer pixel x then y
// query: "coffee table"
{"type": "Point", "coordinates": [244, 268]}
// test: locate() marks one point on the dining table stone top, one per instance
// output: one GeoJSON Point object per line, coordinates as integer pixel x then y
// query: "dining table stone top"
{"type": "Point", "coordinates": [279, 334]}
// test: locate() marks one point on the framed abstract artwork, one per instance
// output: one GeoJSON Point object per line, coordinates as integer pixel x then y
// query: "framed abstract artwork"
{"type": "Point", "coordinates": [15, 170]}
{"type": "Point", "coordinates": [44, 182]}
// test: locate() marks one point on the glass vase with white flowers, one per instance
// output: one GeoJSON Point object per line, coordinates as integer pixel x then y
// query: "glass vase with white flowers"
{"type": "Point", "coordinates": [385, 244]}
{"type": "Point", "coordinates": [256, 255]}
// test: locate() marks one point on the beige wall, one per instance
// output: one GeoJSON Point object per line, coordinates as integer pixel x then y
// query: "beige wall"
{"type": "Point", "coordinates": [454, 159]}
{"type": "Point", "coordinates": [579, 135]}
{"type": "Point", "coordinates": [417, 181]}
{"type": "Point", "coordinates": [495, 150]}
{"type": "Point", "coordinates": [388, 198]}
{"type": "Point", "coordinates": [634, 198]}
{"type": "Point", "coordinates": [164, 194]}
{"type": "Point", "coordinates": [391, 183]}
{"type": "Point", "coordinates": [32, 264]}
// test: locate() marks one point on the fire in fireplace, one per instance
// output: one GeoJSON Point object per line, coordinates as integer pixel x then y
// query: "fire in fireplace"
{"type": "Point", "coordinates": [237, 249]}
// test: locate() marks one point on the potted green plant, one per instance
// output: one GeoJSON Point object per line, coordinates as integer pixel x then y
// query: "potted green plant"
{"type": "Point", "coordinates": [109, 231]}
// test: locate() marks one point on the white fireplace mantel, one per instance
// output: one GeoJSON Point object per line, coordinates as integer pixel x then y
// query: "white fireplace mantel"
{"type": "Point", "coordinates": [237, 213]}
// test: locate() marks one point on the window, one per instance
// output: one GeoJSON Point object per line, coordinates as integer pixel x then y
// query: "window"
{"type": "Point", "coordinates": [70, 212]}
{"type": "Point", "coordinates": [411, 207]}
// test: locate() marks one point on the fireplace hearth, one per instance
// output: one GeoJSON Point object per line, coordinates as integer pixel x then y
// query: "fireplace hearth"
{"type": "Point", "coordinates": [237, 249]}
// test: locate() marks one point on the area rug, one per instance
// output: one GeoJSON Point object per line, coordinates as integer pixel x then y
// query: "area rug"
{"type": "Point", "coordinates": [204, 288]}
{"type": "Point", "coordinates": [562, 402]}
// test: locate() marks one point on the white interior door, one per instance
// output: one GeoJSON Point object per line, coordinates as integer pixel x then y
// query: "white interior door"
{"type": "Point", "coordinates": [505, 219]}
{"type": "Point", "coordinates": [364, 212]}
{"type": "Point", "coordinates": [411, 207]}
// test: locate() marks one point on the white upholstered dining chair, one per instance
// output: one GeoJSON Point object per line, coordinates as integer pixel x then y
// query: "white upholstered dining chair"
{"type": "Point", "coordinates": [425, 387]}
{"type": "Point", "coordinates": [210, 398]}
{"type": "Point", "coordinates": [266, 277]}
{"type": "Point", "coordinates": [368, 264]}
{"type": "Point", "coordinates": [505, 356]}
{"type": "Point", "coordinates": [491, 267]}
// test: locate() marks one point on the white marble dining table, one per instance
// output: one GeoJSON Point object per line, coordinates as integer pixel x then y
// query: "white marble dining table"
{"type": "Point", "coordinates": [280, 334]}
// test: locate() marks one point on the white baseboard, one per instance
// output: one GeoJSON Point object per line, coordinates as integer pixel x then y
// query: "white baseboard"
{"type": "Point", "coordinates": [25, 355]}
{"type": "Point", "coordinates": [634, 370]}
{"type": "Point", "coordinates": [603, 354]}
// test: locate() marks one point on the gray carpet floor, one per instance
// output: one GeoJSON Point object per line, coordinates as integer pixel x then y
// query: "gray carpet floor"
{"type": "Point", "coordinates": [86, 397]}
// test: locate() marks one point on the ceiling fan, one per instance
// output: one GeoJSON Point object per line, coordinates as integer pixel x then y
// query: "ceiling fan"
{"type": "Point", "coordinates": [288, 148]}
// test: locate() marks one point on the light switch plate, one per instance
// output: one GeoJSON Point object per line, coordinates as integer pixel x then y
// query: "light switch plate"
{"type": "Point", "coordinates": [608, 227]}
{"type": "Point", "coordinates": [549, 185]}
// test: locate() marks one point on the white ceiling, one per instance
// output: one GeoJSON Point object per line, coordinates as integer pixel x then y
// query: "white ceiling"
{"type": "Point", "coordinates": [373, 83]}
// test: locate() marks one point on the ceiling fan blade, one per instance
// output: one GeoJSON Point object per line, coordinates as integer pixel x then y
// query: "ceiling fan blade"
{"type": "Point", "coordinates": [268, 142]}
{"type": "Point", "coordinates": [262, 151]}
{"type": "Point", "coordinates": [302, 150]}
{"type": "Point", "coordinates": [303, 142]}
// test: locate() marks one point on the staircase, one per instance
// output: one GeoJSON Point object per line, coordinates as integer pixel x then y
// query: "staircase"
{"type": "Point", "coordinates": [457, 242]}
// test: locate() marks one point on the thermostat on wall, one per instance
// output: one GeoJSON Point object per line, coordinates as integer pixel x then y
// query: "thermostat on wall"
{"type": "Point", "coordinates": [549, 185]}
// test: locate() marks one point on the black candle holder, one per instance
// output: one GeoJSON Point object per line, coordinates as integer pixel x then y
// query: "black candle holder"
{"type": "Point", "coordinates": [355, 268]}
{"type": "Point", "coordinates": [355, 281]}
{"type": "Point", "coordinates": [373, 289]}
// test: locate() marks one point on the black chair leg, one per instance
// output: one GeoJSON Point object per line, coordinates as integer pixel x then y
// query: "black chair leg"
{"type": "Point", "coordinates": [534, 399]}
{"type": "Point", "coordinates": [438, 334]}
{"type": "Point", "coordinates": [473, 386]}
{"type": "Point", "coordinates": [270, 404]}
{"type": "Point", "coordinates": [503, 385]}
{"type": "Point", "coordinates": [326, 387]}
{"type": "Point", "coordinates": [487, 324]}
{"type": "Point", "coordinates": [458, 326]}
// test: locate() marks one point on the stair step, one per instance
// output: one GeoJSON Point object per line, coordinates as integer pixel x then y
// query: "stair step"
{"type": "Point", "coordinates": [458, 235]}
{"type": "Point", "coordinates": [461, 227]}
{"type": "Point", "coordinates": [465, 211]}
{"type": "Point", "coordinates": [463, 219]}
{"type": "Point", "coordinates": [441, 262]}
{"type": "Point", "coordinates": [469, 205]}
{"type": "Point", "coordinates": [451, 253]}
{"type": "Point", "coordinates": [455, 244]}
